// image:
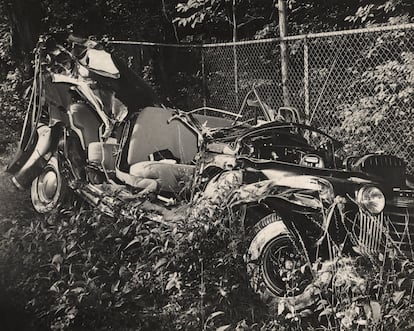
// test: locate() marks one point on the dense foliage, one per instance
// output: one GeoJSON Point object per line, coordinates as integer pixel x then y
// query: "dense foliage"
{"type": "Point", "coordinates": [11, 88]}
{"type": "Point", "coordinates": [163, 21]}
{"type": "Point", "coordinates": [385, 98]}
{"type": "Point", "coordinates": [79, 270]}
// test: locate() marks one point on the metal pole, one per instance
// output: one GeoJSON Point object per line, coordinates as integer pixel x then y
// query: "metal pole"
{"type": "Point", "coordinates": [268, 40]}
{"type": "Point", "coordinates": [306, 79]}
{"type": "Point", "coordinates": [236, 69]}
{"type": "Point", "coordinates": [203, 72]}
{"type": "Point", "coordinates": [284, 59]}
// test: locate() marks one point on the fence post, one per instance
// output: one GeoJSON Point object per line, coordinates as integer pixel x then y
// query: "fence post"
{"type": "Point", "coordinates": [141, 59]}
{"type": "Point", "coordinates": [203, 72]}
{"type": "Point", "coordinates": [306, 78]}
{"type": "Point", "coordinates": [283, 51]}
{"type": "Point", "coordinates": [236, 65]}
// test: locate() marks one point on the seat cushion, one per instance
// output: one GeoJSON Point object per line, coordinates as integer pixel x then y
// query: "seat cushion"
{"type": "Point", "coordinates": [170, 177]}
{"type": "Point", "coordinates": [86, 123]}
{"type": "Point", "coordinates": [152, 133]}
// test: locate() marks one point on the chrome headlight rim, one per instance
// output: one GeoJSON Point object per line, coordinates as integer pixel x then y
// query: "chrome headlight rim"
{"type": "Point", "coordinates": [371, 198]}
{"type": "Point", "coordinates": [326, 190]}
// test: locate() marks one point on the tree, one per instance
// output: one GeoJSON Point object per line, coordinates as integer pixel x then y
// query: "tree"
{"type": "Point", "coordinates": [25, 24]}
{"type": "Point", "coordinates": [383, 12]}
{"type": "Point", "coordinates": [213, 19]}
{"type": "Point", "coordinates": [258, 19]}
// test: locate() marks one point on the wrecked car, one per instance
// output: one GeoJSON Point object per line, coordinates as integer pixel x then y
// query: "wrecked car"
{"type": "Point", "coordinates": [91, 121]}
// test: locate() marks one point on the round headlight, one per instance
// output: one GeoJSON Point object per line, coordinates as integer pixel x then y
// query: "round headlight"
{"type": "Point", "coordinates": [371, 198]}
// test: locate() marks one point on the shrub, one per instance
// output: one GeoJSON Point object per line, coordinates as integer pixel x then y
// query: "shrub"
{"type": "Point", "coordinates": [86, 270]}
{"type": "Point", "coordinates": [80, 270]}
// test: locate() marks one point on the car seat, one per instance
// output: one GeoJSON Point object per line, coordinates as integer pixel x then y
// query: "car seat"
{"type": "Point", "coordinates": [152, 133]}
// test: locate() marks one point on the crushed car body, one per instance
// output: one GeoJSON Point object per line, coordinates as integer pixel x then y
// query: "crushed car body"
{"type": "Point", "coordinates": [92, 123]}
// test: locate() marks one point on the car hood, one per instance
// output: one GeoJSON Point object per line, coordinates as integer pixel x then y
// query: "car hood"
{"type": "Point", "coordinates": [343, 182]}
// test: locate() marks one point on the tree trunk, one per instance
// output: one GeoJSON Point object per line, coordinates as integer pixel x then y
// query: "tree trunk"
{"type": "Point", "coordinates": [25, 23]}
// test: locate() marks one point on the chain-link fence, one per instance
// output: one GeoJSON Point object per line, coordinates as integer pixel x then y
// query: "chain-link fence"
{"type": "Point", "coordinates": [357, 85]}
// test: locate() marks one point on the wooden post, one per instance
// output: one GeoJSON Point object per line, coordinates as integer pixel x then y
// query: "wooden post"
{"type": "Point", "coordinates": [284, 58]}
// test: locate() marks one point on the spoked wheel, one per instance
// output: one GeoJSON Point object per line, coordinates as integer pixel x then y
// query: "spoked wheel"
{"type": "Point", "coordinates": [277, 266]}
{"type": "Point", "coordinates": [285, 270]}
{"type": "Point", "coordinates": [49, 189]}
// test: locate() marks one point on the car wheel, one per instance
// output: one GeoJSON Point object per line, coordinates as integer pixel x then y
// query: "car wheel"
{"type": "Point", "coordinates": [49, 189]}
{"type": "Point", "coordinates": [277, 266]}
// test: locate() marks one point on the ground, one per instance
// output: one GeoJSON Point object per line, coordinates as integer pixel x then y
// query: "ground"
{"type": "Point", "coordinates": [14, 205]}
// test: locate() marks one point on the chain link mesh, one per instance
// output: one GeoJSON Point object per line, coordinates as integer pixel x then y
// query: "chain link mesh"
{"type": "Point", "coordinates": [358, 87]}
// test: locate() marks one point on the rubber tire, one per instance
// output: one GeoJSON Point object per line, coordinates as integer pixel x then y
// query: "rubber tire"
{"type": "Point", "coordinates": [271, 230]}
{"type": "Point", "coordinates": [42, 203]}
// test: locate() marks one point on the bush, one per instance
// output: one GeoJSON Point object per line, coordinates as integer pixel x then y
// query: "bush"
{"type": "Point", "coordinates": [80, 270]}
{"type": "Point", "coordinates": [379, 119]}
{"type": "Point", "coordinates": [86, 270]}
{"type": "Point", "coordinates": [11, 86]}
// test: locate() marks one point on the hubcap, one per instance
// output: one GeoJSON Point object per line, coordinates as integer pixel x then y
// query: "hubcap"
{"type": "Point", "coordinates": [284, 268]}
{"type": "Point", "coordinates": [48, 184]}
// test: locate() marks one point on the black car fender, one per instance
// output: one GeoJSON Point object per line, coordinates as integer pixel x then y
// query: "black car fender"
{"type": "Point", "coordinates": [31, 159]}
{"type": "Point", "coordinates": [273, 227]}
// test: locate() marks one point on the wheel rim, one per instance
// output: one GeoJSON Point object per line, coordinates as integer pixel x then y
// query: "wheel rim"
{"type": "Point", "coordinates": [47, 189]}
{"type": "Point", "coordinates": [285, 269]}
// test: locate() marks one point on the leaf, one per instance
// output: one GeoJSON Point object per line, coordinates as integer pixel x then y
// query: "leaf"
{"type": "Point", "coordinates": [224, 327]}
{"type": "Point", "coordinates": [160, 263]}
{"type": "Point", "coordinates": [326, 311]}
{"type": "Point", "coordinates": [400, 281]}
{"type": "Point", "coordinates": [133, 242]}
{"type": "Point", "coordinates": [397, 296]}
{"type": "Point", "coordinates": [125, 230]}
{"type": "Point", "coordinates": [77, 290]}
{"type": "Point", "coordinates": [122, 271]}
{"type": "Point", "coordinates": [306, 313]}
{"type": "Point", "coordinates": [321, 304]}
{"type": "Point", "coordinates": [115, 286]}
{"type": "Point", "coordinates": [376, 311]}
{"type": "Point", "coordinates": [303, 268]}
{"type": "Point", "coordinates": [213, 316]}
{"type": "Point", "coordinates": [174, 281]}
{"type": "Point", "coordinates": [57, 259]}
{"type": "Point", "coordinates": [54, 288]}
{"type": "Point", "coordinates": [171, 283]}
{"type": "Point", "coordinates": [362, 322]}
{"type": "Point", "coordinates": [280, 307]}
{"type": "Point", "coordinates": [72, 254]}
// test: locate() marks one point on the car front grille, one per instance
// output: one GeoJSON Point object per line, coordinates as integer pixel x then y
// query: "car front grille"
{"type": "Point", "coordinates": [395, 226]}
{"type": "Point", "coordinates": [386, 161]}
{"type": "Point", "coordinates": [370, 234]}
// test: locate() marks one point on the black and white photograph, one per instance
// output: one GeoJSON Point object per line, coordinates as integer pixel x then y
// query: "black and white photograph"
{"type": "Point", "coordinates": [211, 165]}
